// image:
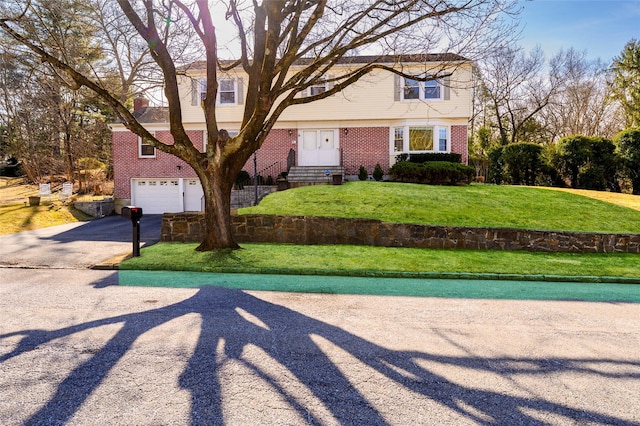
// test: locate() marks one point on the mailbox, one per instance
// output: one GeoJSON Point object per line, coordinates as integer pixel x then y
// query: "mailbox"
{"type": "Point", "coordinates": [132, 212]}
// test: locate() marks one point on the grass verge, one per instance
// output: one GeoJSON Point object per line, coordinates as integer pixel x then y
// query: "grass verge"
{"type": "Point", "coordinates": [389, 262]}
{"type": "Point", "coordinates": [474, 206]}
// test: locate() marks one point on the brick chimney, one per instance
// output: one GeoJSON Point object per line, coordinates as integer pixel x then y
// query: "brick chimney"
{"type": "Point", "coordinates": [139, 103]}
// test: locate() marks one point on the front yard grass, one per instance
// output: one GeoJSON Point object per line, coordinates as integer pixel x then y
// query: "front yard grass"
{"type": "Point", "coordinates": [381, 261]}
{"type": "Point", "coordinates": [474, 206]}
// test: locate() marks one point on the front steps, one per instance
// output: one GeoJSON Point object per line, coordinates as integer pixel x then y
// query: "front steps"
{"type": "Point", "coordinates": [314, 175]}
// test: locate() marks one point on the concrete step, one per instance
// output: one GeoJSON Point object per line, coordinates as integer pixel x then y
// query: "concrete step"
{"type": "Point", "coordinates": [318, 174]}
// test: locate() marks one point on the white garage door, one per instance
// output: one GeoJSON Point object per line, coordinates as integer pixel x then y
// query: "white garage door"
{"type": "Point", "coordinates": [193, 196]}
{"type": "Point", "coordinates": [157, 196]}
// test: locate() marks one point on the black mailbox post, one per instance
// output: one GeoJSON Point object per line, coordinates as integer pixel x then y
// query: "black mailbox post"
{"type": "Point", "coordinates": [134, 214]}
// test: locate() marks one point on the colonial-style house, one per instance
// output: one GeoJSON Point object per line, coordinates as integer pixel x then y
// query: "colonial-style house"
{"type": "Point", "coordinates": [369, 123]}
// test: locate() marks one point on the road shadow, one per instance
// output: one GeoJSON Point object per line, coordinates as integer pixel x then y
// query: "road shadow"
{"type": "Point", "coordinates": [114, 229]}
{"type": "Point", "coordinates": [290, 339]}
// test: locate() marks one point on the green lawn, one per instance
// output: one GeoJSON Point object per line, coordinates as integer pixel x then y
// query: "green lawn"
{"type": "Point", "coordinates": [381, 261]}
{"type": "Point", "coordinates": [475, 205]}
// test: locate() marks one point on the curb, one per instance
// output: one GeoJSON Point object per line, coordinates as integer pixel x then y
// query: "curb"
{"type": "Point", "coordinates": [409, 275]}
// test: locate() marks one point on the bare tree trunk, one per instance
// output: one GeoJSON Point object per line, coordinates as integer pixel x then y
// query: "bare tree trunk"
{"type": "Point", "coordinates": [217, 198]}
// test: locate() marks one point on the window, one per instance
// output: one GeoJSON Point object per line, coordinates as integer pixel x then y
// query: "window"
{"type": "Point", "coordinates": [398, 139]}
{"type": "Point", "coordinates": [227, 91]}
{"type": "Point", "coordinates": [419, 139]}
{"type": "Point", "coordinates": [145, 149]}
{"type": "Point", "coordinates": [442, 140]}
{"type": "Point", "coordinates": [411, 89]}
{"type": "Point", "coordinates": [431, 89]}
{"type": "Point", "coordinates": [415, 90]}
{"type": "Point", "coordinates": [232, 133]}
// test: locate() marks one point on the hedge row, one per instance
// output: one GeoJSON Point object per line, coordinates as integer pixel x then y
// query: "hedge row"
{"type": "Point", "coordinates": [432, 173]}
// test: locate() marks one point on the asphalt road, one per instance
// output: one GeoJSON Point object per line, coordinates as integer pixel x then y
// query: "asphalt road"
{"type": "Point", "coordinates": [77, 349]}
{"type": "Point", "coordinates": [76, 245]}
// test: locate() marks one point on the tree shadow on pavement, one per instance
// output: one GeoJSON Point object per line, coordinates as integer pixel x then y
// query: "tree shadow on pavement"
{"type": "Point", "coordinates": [233, 320]}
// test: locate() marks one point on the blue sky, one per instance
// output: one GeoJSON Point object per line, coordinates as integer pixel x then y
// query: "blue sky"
{"type": "Point", "coordinates": [601, 27]}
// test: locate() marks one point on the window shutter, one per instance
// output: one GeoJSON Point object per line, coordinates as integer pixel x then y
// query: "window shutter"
{"type": "Point", "coordinates": [446, 82]}
{"type": "Point", "coordinates": [195, 92]}
{"type": "Point", "coordinates": [396, 87]}
{"type": "Point", "coordinates": [240, 91]}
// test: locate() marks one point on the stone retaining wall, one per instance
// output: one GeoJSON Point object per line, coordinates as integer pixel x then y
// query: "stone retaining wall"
{"type": "Point", "coordinates": [188, 227]}
{"type": "Point", "coordinates": [102, 208]}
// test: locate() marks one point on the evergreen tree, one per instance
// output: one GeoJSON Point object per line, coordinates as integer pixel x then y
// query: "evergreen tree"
{"type": "Point", "coordinates": [625, 86]}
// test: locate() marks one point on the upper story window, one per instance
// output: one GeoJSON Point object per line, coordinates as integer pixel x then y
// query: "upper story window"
{"type": "Point", "coordinates": [411, 89]}
{"type": "Point", "coordinates": [145, 149]}
{"type": "Point", "coordinates": [318, 88]}
{"type": "Point", "coordinates": [229, 91]}
{"type": "Point", "coordinates": [415, 90]}
{"type": "Point", "coordinates": [408, 89]}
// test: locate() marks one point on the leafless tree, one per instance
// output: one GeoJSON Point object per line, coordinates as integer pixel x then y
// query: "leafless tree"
{"type": "Point", "coordinates": [582, 107]}
{"type": "Point", "coordinates": [515, 87]}
{"type": "Point", "coordinates": [284, 46]}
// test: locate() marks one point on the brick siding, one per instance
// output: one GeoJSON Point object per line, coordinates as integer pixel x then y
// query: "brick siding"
{"type": "Point", "coordinates": [127, 164]}
{"type": "Point", "coordinates": [272, 155]}
{"type": "Point", "coordinates": [364, 146]}
{"type": "Point", "coordinates": [459, 142]}
{"type": "Point", "coordinates": [360, 146]}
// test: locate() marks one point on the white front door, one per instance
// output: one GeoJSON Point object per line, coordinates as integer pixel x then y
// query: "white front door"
{"type": "Point", "coordinates": [318, 148]}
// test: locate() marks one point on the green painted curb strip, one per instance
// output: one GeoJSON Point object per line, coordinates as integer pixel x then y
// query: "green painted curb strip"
{"type": "Point", "coordinates": [415, 275]}
{"type": "Point", "coordinates": [420, 287]}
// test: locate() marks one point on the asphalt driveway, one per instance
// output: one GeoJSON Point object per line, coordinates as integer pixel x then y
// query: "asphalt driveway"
{"type": "Point", "coordinates": [76, 245]}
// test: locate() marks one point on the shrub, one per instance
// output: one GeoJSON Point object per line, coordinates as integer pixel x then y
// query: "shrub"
{"type": "Point", "coordinates": [588, 162]}
{"type": "Point", "coordinates": [628, 147]}
{"type": "Point", "coordinates": [432, 172]}
{"type": "Point", "coordinates": [362, 173]}
{"type": "Point", "coordinates": [496, 165]}
{"type": "Point", "coordinates": [522, 163]}
{"type": "Point", "coordinates": [243, 178]}
{"type": "Point", "coordinates": [378, 174]}
{"type": "Point", "coordinates": [431, 156]}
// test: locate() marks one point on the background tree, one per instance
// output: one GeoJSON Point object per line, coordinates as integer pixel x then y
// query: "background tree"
{"type": "Point", "coordinates": [628, 147]}
{"type": "Point", "coordinates": [588, 162]}
{"type": "Point", "coordinates": [582, 106]}
{"type": "Point", "coordinates": [53, 122]}
{"type": "Point", "coordinates": [522, 163]}
{"type": "Point", "coordinates": [514, 88]}
{"type": "Point", "coordinates": [625, 86]}
{"type": "Point", "coordinates": [284, 47]}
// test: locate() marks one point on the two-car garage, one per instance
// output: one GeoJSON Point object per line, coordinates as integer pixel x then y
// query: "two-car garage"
{"type": "Point", "coordinates": [167, 195]}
